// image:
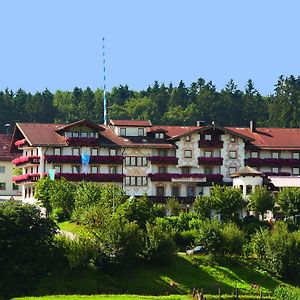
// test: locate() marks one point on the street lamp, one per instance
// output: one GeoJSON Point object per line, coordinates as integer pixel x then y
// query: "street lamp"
{"type": "Point", "coordinates": [7, 128]}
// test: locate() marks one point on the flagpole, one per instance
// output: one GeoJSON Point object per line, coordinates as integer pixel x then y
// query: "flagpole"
{"type": "Point", "coordinates": [104, 86]}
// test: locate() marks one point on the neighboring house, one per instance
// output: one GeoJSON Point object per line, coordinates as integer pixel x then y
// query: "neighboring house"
{"type": "Point", "coordinates": [7, 187]}
{"type": "Point", "coordinates": [162, 161]}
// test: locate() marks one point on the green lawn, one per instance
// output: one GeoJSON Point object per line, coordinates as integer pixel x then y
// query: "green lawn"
{"type": "Point", "coordinates": [180, 277]}
{"type": "Point", "coordinates": [71, 226]}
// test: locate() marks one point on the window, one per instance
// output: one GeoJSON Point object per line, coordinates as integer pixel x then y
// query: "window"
{"type": "Point", "coordinates": [75, 134]}
{"type": "Point", "coordinates": [188, 138]}
{"type": "Point", "coordinates": [275, 155]}
{"type": "Point", "coordinates": [15, 187]}
{"type": "Point", "coordinates": [207, 154]}
{"type": "Point", "coordinates": [68, 134]}
{"type": "Point", "coordinates": [248, 189]}
{"type": "Point", "coordinates": [83, 134]}
{"type": "Point", "coordinates": [159, 135]}
{"type": "Point", "coordinates": [160, 191]}
{"type": "Point", "coordinates": [2, 186]}
{"type": "Point", "coordinates": [175, 191]}
{"type": "Point", "coordinates": [76, 169]}
{"type": "Point", "coordinates": [76, 151]}
{"type": "Point", "coordinates": [162, 152]}
{"type": "Point", "coordinates": [162, 170]}
{"type": "Point", "coordinates": [2, 169]}
{"type": "Point", "coordinates": [208, 170]}
{"type": "Point", "coordinates": [232, 170]}
{"type": "Point", "coordinates": [122, 131]}
{"type": "Point", "coordinates": [232, 139]}
{"type": "Point", "coordinates": [241, 188]}
{"type": "Point", "coordinates": [141, 132]}
{"type": "Point", "coordinates": [112, 152]}
{"type": "Point", "coordinates": [275, 170]}
{"type": "Point", "coordinates": [91, 134]}
{"type": "Point", "coordinates": [94, 151]}
{"type": "Point", "coordinates": [207, 137]}
{"type": "Point", "coordinates": [232, 154]}
{"type": "Point", "coordinates": [187, 153]}
{"type": "Point", "coordinates": [57, 151]}
{"type": "Point", "coordinates": [136, 180]}
{"type": "Point", "coordinates": [254, 154]}
{"type": "Point", "coordinates": [112, 170]}
{"type": "Point", "coordinates": [296, 171]}
{"type": "Point", "coordinates": [185, 170]}
{"type": "Point", "coordinates": [296, 155]}
{"type": "Point", "coordinates": [57, 169]}
{"type": "Point", "coordinates": [190, 191]}
{"type": "Point", "coordinates": [136, 161]}
{"type": "Point", "coordinates": [94, 169]}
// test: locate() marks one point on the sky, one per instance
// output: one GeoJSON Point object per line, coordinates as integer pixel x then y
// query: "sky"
{"type": "Point", "coordinates": [57, 44]}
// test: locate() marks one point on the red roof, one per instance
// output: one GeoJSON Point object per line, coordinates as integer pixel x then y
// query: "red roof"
{"type": "Point", "coordinates": [5, 154]}
{"type": "Point", "coordinates": [272, 138]}
{"type": "Point", "coordinates": [138, 123]}
{"type": "Point", "coordinates": [174, 131]}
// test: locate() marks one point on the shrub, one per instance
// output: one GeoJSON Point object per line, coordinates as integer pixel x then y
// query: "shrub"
{"type": "Point", "coordinates": [183, 239]}
{"type": "Point", "coordinates": [233, 239]}
{"type": "Point", "coordinates": [287, 293]}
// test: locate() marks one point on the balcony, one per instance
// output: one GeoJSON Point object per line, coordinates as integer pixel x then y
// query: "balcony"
{"type": "Point", "coordinates": [217, 161]}
{"type": "Point", "coordinates": [274, 162]}
{"type": "Point", "coordinates": [26, 160]}
{"type": "Point", "coordinates": [210, 144]}
{"type": "Point", "coordinates": [100, 177]}
{"type": "Point", "coordinates": [164, 199]}
{"type": "Point", "coordinates": [101, 159]}
{"type": "Point", "coordinates": [82, 141]}
{"type": "Point", "coordinates": [26, 178]}
{"type": "Point", "coordinates": [277, 174]}
{"type": "Point", "coordinates": [19, 143]}
{"type": "Point", "coordinates": [163, 160]}
{"type": "Point", "coordinates": [193, 177]}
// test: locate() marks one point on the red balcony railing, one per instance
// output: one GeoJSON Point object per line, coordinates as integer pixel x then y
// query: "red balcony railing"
{"type": "Point", "coordinates": [26, 178]}
{"type": "Point", "coordinates": [210, 161]}
{"type": "Point", "coordinates": [277, 174]}
{"type": "Point", "coordinates": [82, 141]}
{"type": "Point", "coordinates": [20, 142]}
{"type": "Point", "coordinates": [277, 162]}
{"type": "Point", "coordinates": [163, 160]}
{"type": "Point", "coordinates": [91, 177]}
{"type": "Point", "coordinates": [164, 199]}
{"type": "Point", "coordinates": [210, 144]}
{"type": "Point", "coordinates": [103, 159]}
{"type": "Point", "coordinates": [170, 176]}
{"type": "Point", "coordinates": [24, 160]}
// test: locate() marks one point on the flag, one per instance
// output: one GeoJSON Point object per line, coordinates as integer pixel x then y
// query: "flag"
{"type": "Point", "coordinates": [52, 174]}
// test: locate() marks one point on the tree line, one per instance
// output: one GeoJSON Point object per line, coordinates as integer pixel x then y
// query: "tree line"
{"type": "Point", "coordinates": [162, 104]}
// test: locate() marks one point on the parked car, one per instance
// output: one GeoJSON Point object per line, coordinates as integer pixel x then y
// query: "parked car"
{"type": "Point", "coordinates": [195, 250]}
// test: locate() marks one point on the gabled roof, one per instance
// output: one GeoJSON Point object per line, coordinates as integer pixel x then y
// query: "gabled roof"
{"type": "Point", "coordinates": [173, 131]}
{"type": "Point", "coordinates": [272, 138]}
{"type": "Point", "coordinates": [246, 171]}
{"type": "Point", "coordinates": [83, 122]}
{"type": "Point", "coordinates": [5, 154]}
{"type": "Point", "coordinates": [214, 127]}
{"type": "Point", "coordinates": [131, 123]}
{"type": "Point", "coordinates": [285, 181]}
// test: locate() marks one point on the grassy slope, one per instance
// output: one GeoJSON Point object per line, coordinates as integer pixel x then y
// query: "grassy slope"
{"type": "Point", "coordinates": [112, 297]}
{"type": "Point", "coordinates": [184, 274]}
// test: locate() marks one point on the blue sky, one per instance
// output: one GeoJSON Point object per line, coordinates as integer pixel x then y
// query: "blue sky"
{"type": "Point", "coordinates": [57, 44]}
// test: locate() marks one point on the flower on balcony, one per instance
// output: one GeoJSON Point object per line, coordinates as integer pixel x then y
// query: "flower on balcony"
{"type": "Point", "coordinates": [272, 162]}
{"type": "Point", "coordinates": [171, 160]}
{"type": "Point", "coordinates": [210, 160]}
{"type": "Point", "coordinates": [26, 177]}
{"type": "Point", "coordinates": [277, 174]}
{"type": "Point", "coordinates": [82, 141]}
{"type": "Point", "coordinates": [26, 159]}
{"type": "Point", "coordinates": [100, 177]}
{"type": "Point", "coordinates": [211, 143]}
{"type": "Point", "coordinates": [107, 159]}
{"type": "Point", "coordinates": [20, 142]}
{"type": "Point", "coordinates": [214, 177]}
{"type": "Point", "coordinates": [63, 158]}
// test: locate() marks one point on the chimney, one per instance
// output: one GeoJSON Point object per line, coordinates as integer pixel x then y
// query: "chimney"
{"type": "Point", "coordinates": [252, 126]}
{"type": "Point", "coordinates": [200, 123]}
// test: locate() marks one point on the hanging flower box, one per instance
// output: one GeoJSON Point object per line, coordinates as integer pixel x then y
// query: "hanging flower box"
{"type": "Point", "coordinates": [106, 159]}
{"type": "Point", "coordinates": [20, 142]}
{"type": "Point", "coordinates": [82, 141]}
{"type": "Point", "coordinates": [26, 178]}
{"type": "Point", "coordinates": [63, 158]}
{"type": "Point", "coordinates": [210, 144]}
{"type": "Point", "coordinates": [26, 160]}
{"type": "Point", "coordinates": [217, 178]}
{"type": "Point", "coordinates": [91, 177]}
{"type": "Point", "coordinates": [277, 174]}
{"type": "Point", "coordinates": [163, 160]}
{"type": "Point", "coordinates": [210, 160]}
{"type": "Point", "coordinates": [272, 162]}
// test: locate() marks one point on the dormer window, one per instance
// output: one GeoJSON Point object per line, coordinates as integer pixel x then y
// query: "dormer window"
{"type": "Point", "coordinates": [141, 132]}
{"type": "Point", "coordinates": [75, 134]}
{"type": "Point", "coordinates": [83, 134]}
{"type": "Point", "coordinates": [68, 134]}
{"type": "Point", "coordinates": [122, 131]}
{"type": "Point", "coordinates": [159, 135]}
{"type": "Point", "coordinates": [207, 137]}
{"type": "Point", "coordinates": [232, 139]}
{"type": "Point", "coordinates": [188, 138]}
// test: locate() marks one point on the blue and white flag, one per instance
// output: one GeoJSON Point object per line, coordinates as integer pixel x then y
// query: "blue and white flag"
{"type": "Point", "coordinates": [85, 158]}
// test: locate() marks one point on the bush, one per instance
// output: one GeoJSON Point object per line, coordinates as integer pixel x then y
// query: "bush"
{"type": "Point", "coordinates": [233, 239]}
{"type": "Point", "coordinates": [159, 245]}
{"type": "Point", "coordinates": [183, 239]}
{"type": "Point", "coordinates": [287, 293]}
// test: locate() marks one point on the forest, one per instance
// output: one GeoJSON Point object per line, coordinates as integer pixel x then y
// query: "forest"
{"type": "Point", "coordinates": [160, 103]}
